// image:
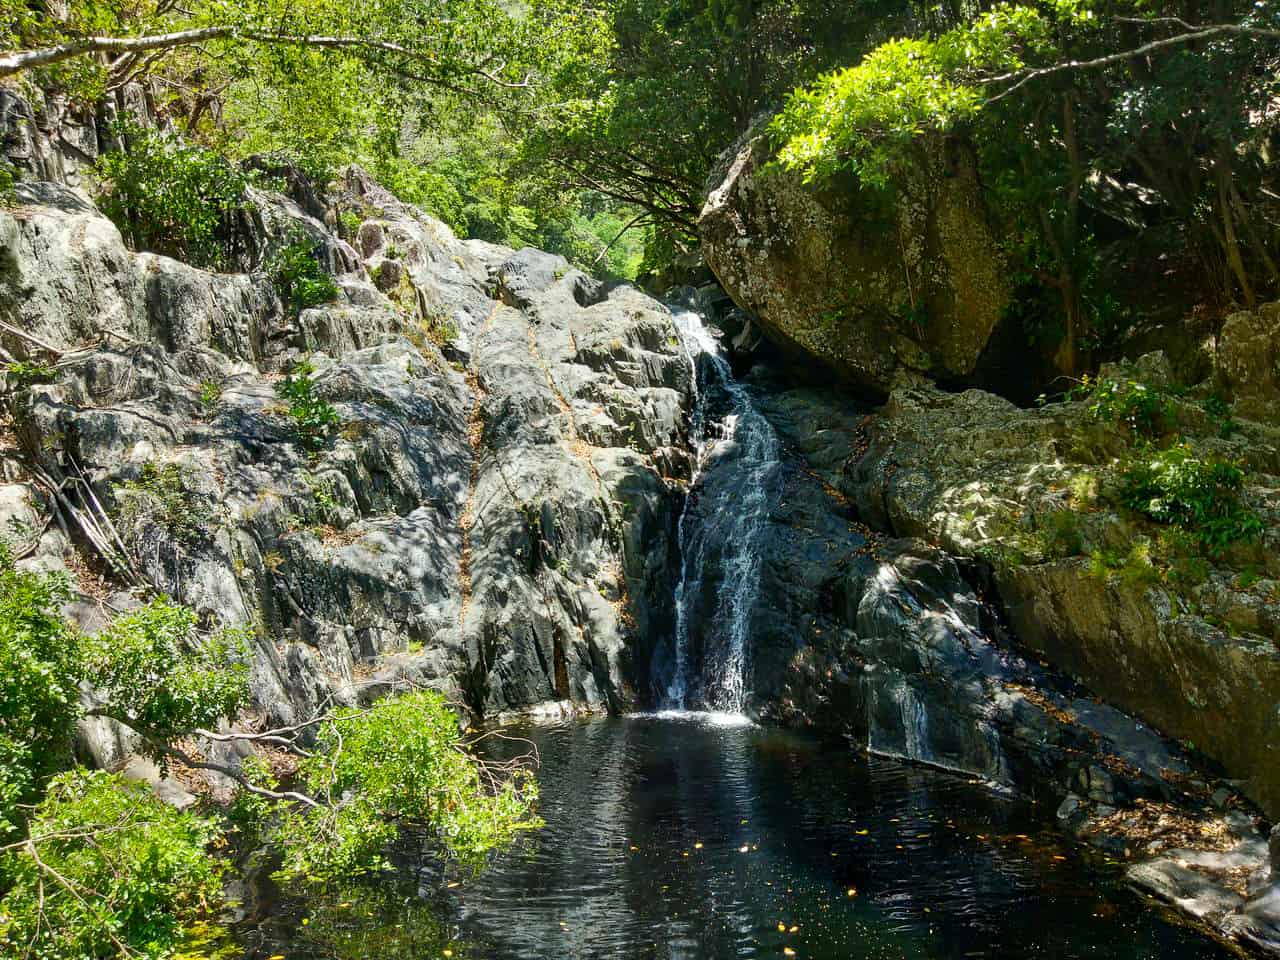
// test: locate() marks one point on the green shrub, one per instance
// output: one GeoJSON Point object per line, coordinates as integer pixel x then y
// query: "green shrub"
{"type": "Point", "coordinates": [349, 224]}
{"type": "Point", "coordinates": [23, 373]}
{"type": "Point", "coordinates": [172, 197]}
{"type": "Point", "coordinates": [1201, 496]}
{"type": "Point", "coordinates": [403, 764]}
{"type": "Point", "coordinates": [8, 185]}
{"type": "Point", "coordinates": [163, 495]}
{"type": "Point", "coordinates": [159, 678]}
{"type": "Point", "coordinates": [39, 674]}
{"type": "Point", "coordinates": [210, 395]}
{"type": "Point", "coordinates": [1134, 567]}
{"type": "Point", "coordinates": [1144, 409]}
{"type": "Point", "coordinates": [1220, 411]}
{"type": "Point", "coordinates": [118, 873]}
{"type": "Point", "coordinates": [314, 419]}
{"type": "Point", "coordinates": [298, 275]}
{"type": "Point", "coordinates": [1061, 533]}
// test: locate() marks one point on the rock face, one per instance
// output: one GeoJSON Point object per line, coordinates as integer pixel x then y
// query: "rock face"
{"type": "Point", "coordinates": [493, 516]}
{"type": "Point", "coordinates": [878, 289]}
{"type": "Point", "coordinates": [1026, 490]}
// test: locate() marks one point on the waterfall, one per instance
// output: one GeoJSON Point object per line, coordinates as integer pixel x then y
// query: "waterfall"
{"type": "Point", "coordinates": [733, 440]}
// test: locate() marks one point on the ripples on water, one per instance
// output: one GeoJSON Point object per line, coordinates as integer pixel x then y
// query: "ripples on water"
{"type": "Point", "coordinates": [681, 835]}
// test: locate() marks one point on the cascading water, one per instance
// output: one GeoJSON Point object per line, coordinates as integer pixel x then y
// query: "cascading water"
{"type": "Point", "coordinates": [720, 549]}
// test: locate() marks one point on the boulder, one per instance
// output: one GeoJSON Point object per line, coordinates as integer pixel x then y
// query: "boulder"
{"type": "Point", "coordinates": [1247, 362]}
{"type": "Point", "coordinates": [880, 288]}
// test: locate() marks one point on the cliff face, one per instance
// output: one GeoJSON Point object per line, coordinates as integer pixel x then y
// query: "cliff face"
{"type": "Point", "coordinates": [493, 515]}
{"type": "Point", "coordinates": [880, 290]}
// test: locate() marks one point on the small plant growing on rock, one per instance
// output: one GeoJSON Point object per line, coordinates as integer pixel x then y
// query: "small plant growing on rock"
{"type": "Point", "coordinates": [210, 395]}
{"type": "Point", "coordinates": [1146, 410]}
{"type": "Point", "coordinates": [349, 224]}
{"type": "Point", "coordinates": [1220, 410]}
{"type": "Point", "coordinates": [164, 495]}
{"type": "Point", "coordinates": [298, 275]}
{"type": "Point", "coordinates": [23, 373]}
{"type": "Point", "coordinates": [314, 419]}
{"type": "Point", "coordinates": [1201, 496]}
{"type": "Point", "coordinates": [8, 185]}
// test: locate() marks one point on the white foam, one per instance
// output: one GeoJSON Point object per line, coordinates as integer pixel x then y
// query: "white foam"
{"type": "Point", "coordinates": [710, 718]}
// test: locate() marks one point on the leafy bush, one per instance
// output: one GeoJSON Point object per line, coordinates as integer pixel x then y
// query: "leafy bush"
{"type": "Point", "coordinates": [8, 185]}
{"type": "Point", "coordinates": [314, 419]}
{"type": "Point", "coordinates": [1201, 496]}
{"type": "Point", "coordinates": [23, 373]}
{"type": "Point", "coordinates": [119, 872]}
{"type": "Point", "coordinates": [1220, 411]}
{"type": "Point", "coordinates": [173, 197]}
{"type": "Point", "coordinates": [298, 275]}
{"type": "Point", "coordinates": [39, 673]}
{"type": "Point", "coordinates": [1144, 409]}
{"type": "Point", "coordinates": [160, 679]}
{"type": "Point", "coordinates": [1134, 567]}
{"type": "Point", "coordinates": [163, 495]}
{"type": "Point", "coordinates": [403, 763]}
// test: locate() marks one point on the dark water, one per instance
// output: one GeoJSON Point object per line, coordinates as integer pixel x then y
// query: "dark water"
{"type": "Point", "coordinates": [681, 837]}
{"type": "Point", "coordinates": [671, 838]}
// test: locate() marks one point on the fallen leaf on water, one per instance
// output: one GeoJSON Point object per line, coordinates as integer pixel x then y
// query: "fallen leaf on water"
{"type": "Point", "coordinates": [782, 927]}
{"type": "Point", "coordinates": [744, 848]}
{"type": "Point", "coordinates": [851, 892]}
{"type": "Point", "coordinates": [788, 951]}
{"type": "Point", "coordinates": [698, 845]}
{"type": "Point", "coordinates": [793, 930]}
{"type": "Point", "coordinates": [863, 833]}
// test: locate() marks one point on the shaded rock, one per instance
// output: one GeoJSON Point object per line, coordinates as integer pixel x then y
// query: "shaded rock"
{"type": "Point", "coordinates": [1021, 490]}
{"type": "Point", "coordinates": [878, 288]}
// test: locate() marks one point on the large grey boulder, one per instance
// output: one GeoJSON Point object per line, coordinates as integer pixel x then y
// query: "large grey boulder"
{"type": "Point", "coordinates": [879, 288]}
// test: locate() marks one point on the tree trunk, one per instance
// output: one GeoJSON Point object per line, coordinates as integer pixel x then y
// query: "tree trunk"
{"type": "Point", "coordinates": [1231, 244]}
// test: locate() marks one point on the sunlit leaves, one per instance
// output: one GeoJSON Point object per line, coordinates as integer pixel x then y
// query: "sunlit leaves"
{"type": "Point", "coordinates": [110, 868]}
{"type": "Point", "coordinates": [401, 763]}
{"type": "Point", "coordinates": [153, 672]}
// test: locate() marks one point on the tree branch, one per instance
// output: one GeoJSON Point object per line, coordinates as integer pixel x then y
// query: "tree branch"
{"type": "Point", "coordinates": [21, 60]}
{"type": "Point", "coordinates": [1023, 77]}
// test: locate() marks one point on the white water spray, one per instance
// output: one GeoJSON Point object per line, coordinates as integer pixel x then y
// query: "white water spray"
{"type": "Point", "coordinates": [721, 683]}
